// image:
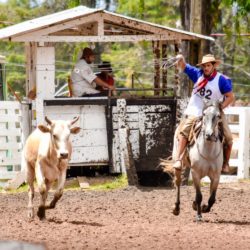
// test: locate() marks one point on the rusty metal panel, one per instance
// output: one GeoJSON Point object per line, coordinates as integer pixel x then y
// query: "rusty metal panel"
{"type": "Point", "coordinates": [150, 122]}
{"type": "Point", "coordinates": [151, 131]}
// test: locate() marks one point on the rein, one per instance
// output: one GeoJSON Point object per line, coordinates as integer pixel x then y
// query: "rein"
{"type": "Point", "coordinates": [197, 145]}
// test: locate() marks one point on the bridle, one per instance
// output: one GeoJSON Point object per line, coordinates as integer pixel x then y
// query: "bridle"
{"type": "Point", "coordinates": [213, 138]}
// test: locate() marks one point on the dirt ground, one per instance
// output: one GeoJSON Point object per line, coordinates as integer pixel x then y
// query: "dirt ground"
{"type": "Point", "coordinates": [132, 218]}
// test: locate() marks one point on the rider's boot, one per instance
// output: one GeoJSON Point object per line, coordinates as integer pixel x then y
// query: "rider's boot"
{"type": "Point", "coordinates": [226, 152]}
{"type": "Point", "coordinates": [181, 148]}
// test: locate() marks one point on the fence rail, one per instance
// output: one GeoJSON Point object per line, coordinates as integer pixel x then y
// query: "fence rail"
{"type": "Point", "coordinates": [15, 127]}
{"type": "Point", "coordinates": [238, 119]}
{"type": "Point", "coordinates": [13, 131]}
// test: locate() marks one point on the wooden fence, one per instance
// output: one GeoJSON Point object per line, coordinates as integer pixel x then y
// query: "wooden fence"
{"type": "Point", "coordinates": [15, 127]}
{"type": "Point", "coordinates": [13, 131]}
{"type": "Point", "coordinates": [238, 119]}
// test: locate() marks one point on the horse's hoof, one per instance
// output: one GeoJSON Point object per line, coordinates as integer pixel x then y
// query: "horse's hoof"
{"type": "Point", "coordinates": [41, 213]}
{"type": "Point", "coordinates": [176, 211]}
{"type": "Point", "coordinates": [198, 218]}
{"type": "Point", "coordinates": [194, 206]}
{"type": "Point", "coordinates": [205, 209]}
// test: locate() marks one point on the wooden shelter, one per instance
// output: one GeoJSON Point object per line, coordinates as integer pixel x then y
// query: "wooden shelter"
{"type": "Point", "coordinates": [116, 132]}
{"type": "Point", "coordinates": [82, 24]}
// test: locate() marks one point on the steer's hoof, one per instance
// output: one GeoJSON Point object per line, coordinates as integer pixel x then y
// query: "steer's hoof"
{"type": "Point", "coordinates": [41, 213]}
{"type": "Point", "coordinates": [31, 214]}
{"type": "Point", "coordinates": [205, 209]}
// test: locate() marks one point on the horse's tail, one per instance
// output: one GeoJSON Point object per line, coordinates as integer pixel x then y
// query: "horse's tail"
{"type": "Point", "coordinates": [167, 166]}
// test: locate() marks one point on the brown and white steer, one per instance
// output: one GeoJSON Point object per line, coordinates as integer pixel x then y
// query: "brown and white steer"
{"type": "Point", "coordinates": [45, 157]}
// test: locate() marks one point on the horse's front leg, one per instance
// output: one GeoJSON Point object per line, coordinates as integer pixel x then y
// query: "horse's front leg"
{"type": "Point", "coordinates": [176, 210]}
{"type": "Point", "coordinates": [213, 188]}
{"type": "Point", "coordinates": [198, 197]}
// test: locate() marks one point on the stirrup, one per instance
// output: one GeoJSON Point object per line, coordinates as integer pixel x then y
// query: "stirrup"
{"type": "Point", "coordinates": [178, 164]}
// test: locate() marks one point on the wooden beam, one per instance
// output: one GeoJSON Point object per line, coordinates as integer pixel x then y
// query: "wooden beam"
{"type": "Point", "coordinates": [100, 26]}
{"type": "Point", "coordinates": [88, 29]}
{"type": "Point", "coordinates": [30, 52]}
{"type": "Point", "coordinates": [177, 80]}
{"type": "Point", "coordinates": [131, 23]}
{"type": "Point", "coordinates": [119, 26]}
{"type": "Point", "coordinates": [57, 27]}
{"type": "Point", "coordinates": [156, 51]}
{"type": "Point", "coordinates": [164, 70]}
{"type": "Point", "coordinates": [115, 38]}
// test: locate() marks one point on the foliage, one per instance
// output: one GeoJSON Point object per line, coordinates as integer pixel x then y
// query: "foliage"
{"type": "Point", "coordinates": [235, 45]}
{"type": "Point", "coordinates": [130, 59]}
{"type": "Point", "coordinates": [157, 11]}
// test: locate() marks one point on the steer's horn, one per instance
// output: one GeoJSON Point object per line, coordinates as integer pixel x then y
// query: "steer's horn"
{"type": "Point", "coordinates": [74, 120]}
{"type": "Point", "coordinates": [48, 120]}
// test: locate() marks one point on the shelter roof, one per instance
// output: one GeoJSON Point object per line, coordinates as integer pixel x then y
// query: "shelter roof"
{"type": "Point", "coordinates": [82, 24]}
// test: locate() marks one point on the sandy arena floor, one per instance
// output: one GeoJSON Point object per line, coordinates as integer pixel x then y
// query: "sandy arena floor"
{"type": "Point", "coordinates": [132, 218]}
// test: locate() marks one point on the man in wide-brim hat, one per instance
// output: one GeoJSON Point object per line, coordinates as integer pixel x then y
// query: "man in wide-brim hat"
{"type": "Point", "coordinates": [84, 80]}
{"type": "Point", "coordinates": [211, 85]}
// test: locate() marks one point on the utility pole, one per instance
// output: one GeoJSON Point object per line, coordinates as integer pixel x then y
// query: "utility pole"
{"type": "Point", "coordinates": [196, 16]}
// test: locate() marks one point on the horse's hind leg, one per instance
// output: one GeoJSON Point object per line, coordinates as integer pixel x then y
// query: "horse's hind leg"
{"type": "Point", "coordinates": [213, 188]}
{"type": "Point", "coordinates": [176, 210]}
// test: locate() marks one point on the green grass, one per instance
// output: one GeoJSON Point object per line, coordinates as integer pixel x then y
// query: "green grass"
{"type": "Point", "coordinates": [120, 182]}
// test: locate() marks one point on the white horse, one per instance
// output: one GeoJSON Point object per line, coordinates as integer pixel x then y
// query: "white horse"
{"type": "Point", "coordinates": [204, 157]}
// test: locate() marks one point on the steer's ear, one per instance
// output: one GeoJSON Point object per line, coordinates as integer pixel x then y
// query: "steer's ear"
{"type": "Point", "coordinates": [75, 130]}
{"type": "Point", "coordinates": [44, 129]}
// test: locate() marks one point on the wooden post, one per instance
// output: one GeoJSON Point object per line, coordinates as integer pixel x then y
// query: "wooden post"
{"type": "Point", "coordinates": [30, 51]}
{"type": "Point", "coordinates": [132, 81]}
{"type": "Point", "coordinates": [243, 151]}
{"type": "Point", "coordinates": [156, 52]}
{"type": "Point", "coordinates": [164, 70]}
{"type": "Point", "coordinates": [177, 79]}
{"type": "Point", "coordinates": [45, 72]}
{"type": "Point", "coordinates": [126, 156]}
{"type": "Point", "coordinates": [45, 78]}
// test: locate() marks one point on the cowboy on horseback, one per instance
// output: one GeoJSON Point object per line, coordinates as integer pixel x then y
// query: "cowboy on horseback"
{"type": "Point", "coordinates": [211, 85]}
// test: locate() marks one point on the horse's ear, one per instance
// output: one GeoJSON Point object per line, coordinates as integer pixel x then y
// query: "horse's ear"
{"type": "Point", "coordinates": [206, 103]}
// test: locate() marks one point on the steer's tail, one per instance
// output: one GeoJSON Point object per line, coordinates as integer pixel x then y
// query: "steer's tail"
{"type": "Point", "coordinates": [23, 163]}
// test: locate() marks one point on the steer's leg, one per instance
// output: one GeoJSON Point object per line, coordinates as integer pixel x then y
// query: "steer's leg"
{"type": "Point", "coordinates": [30, 177]}
{"type": "Point", "coordinates": [43, 190]}
{"type": "Point", "coordinates": [59, 191]}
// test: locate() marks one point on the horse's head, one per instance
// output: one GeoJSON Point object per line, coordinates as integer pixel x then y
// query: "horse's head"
{"type": "Point", "coordinates": [211, 118]}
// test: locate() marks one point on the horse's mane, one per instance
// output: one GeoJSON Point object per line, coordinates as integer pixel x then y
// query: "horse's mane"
{"type": "Point", "coordinates": [209, 103]}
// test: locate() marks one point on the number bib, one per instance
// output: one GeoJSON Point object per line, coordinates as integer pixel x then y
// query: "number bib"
{"type": "Point", "coordinates": [211, 92]}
